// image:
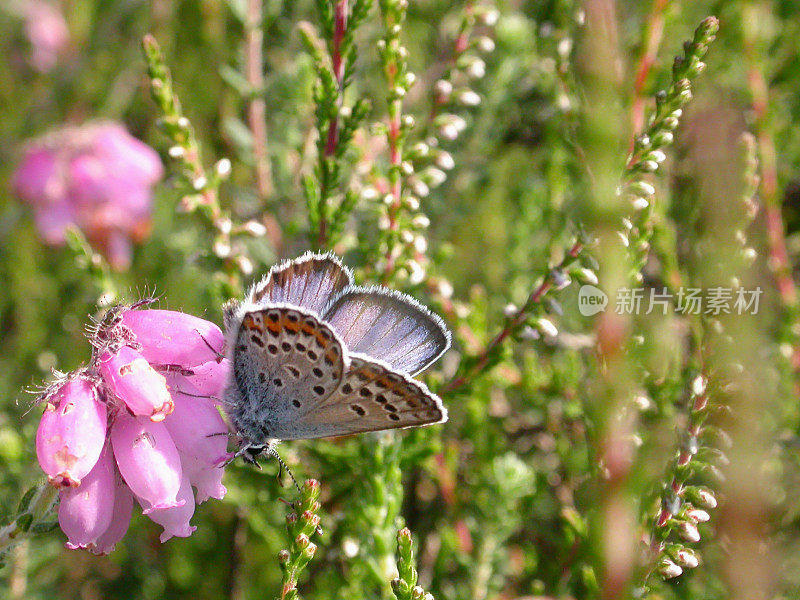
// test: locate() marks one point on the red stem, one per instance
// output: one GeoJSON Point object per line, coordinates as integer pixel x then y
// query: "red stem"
{"type": "Point", "coordinates": [511, 325]}
{"type": "Point", "coordinates": [338, 72]}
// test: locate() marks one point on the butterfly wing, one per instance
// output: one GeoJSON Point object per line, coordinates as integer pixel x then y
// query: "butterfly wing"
{"type": "Point", "coordinates": [388, 326]}
{"type": "Point", "coordinates": [372, 397]}
{"type": "Point", "coordinates": [308, 282]}
{"type": "Point", "coordinates": [285, 362]}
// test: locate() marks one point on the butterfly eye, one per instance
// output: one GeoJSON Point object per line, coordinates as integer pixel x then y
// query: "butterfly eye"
{"type": "Point", "coordinates": [254, 451]}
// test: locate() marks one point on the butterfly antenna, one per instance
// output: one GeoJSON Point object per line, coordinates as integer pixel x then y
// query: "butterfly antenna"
{"type": "Point", "coordinates": [274, 453]}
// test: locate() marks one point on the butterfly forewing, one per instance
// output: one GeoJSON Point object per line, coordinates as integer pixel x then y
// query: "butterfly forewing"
{"type": "Point", "coordinates": [389, 326]}
{"type": "Point", "coordinates": [371, 397]}
{"type": "Point", "coordinates": [308, 282]}
{"type": "Point", "coordinates": [286, 362]}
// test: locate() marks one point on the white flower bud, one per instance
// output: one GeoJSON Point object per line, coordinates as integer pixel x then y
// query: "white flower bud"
{"type": "Point", "coordinates": [199, 183]}
{"type": "Point", "coordinates": [490, 17]}
{"type": "Point", "coordinates": [668, 569]}
{"type": "Point", "coordinates": [699, 384]}
{"type": "Point", "coordinates": [406, 236]}
{"type": "Point", "coordinates": [411, 202]}
{"type": "Point", "coordinates": [177, 152]}
{"type": "Point", "coordinates": [640, 203]}
{"type": "Point", "coordinates": [383, 223]}
{"type": "Point", "coordinates": [509, 310]}
{"type": "Point", "coordinates": [469, 98]}
{"type": "Point", "coordinates": [420, 244]}
{"type": "Point", "coordinates": [223, 167]}
{"type": "Point", "coordinates": [443, 89]}
{"type": "Point", "coordinates": [417, 274]}
{"type": "Point", "coordinates": [245, 264]}
{"type": "Point", "coordinates": [420, 187]}
{"type": "Point", "coordinates": [434, 177]}
{"type": "Point", "coordinates": [222, 249]}
{"type": "Point", "coordinates": [476, 68]}
{"type": "Point", "coordinates": [255, 228]}
{"type": "Point", "coordinates": [224, 225]}
{"type": "Point", "coordinates": [485, 44]}
{"type": "Point", "coordinates": [445, 161]}
{"type": "Point", "coordinates": [686, 558]}
{"type": "Point", "coordinates": [445, 288]}
{"type": "Point", "coordinates": [698, 515]}
{"type": "Point", "coordinates": [546, 327]}
{"type": "Point", "coordinates": [421, 221]}
{"type": "Point", "coordinates": [183, 123]}
{"type": "Point", "coordinates": [688, 531]}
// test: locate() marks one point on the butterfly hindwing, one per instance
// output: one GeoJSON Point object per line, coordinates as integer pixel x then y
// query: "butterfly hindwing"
{"type": "Point", "coordinates": [285, 362]}
{"type": "Point", "coordinates": [389, 326]}
{"type": "Point", "coordinates": [371, 397]}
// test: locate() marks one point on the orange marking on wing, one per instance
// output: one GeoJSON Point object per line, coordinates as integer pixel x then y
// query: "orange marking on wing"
{"type": "Point", "coordinates": [250, 323]}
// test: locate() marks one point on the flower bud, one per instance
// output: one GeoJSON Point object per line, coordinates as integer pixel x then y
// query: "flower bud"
{"type": "Point", "coordinates": [148, 460]}
{"type": "Point", "coordinates": [138, 385]}
{"type": "Point", "coordinates": [71, 433]}
{"type": "Point", "coordinates": [688, 531]}
{"type": "Point", "coordinates": [668, 569]}
{"type": "Point", "coordinates": [85, 512]}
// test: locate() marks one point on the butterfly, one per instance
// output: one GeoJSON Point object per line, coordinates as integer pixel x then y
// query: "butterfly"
{"type": "Point", "coordinates": [314, 355]}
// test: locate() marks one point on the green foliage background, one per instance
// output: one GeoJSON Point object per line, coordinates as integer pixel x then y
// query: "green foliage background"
{"type": "Point", "coordinates": [505, 500]}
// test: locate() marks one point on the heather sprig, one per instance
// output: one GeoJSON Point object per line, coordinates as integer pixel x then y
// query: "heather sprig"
{"type": "Point", "coordinates": [302, 523]}
{"type": "Point", "coordinates": [200, 186]}
{"type": "Point", "coordinates": [648, 146]}
{"type": "Point", "coordinates": [330, 197]}
{"type": "Point", "coordinates": [530, 314]}
{"type": "Point", "coordinates": [404, 586]}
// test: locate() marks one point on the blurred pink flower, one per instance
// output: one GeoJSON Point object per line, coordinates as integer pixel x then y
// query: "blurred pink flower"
{"type": "Point", "coordinates": [47, 32]}
{"type": "Point", "coordinates": [98, 178]}
{"type": "Point", "coordinates": [165, 434]}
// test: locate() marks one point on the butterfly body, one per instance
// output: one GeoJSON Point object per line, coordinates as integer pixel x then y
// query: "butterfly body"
{"type": "Point", "coordinates": [315, 356]}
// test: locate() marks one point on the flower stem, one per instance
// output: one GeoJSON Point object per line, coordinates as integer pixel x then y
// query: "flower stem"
{"type": "Point", "coordinates": [257, 108]}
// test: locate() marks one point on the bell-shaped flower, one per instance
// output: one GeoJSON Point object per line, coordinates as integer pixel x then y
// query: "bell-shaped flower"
{"type": "Point", "coordinates": [175, 521]}
{"type": "Point", "coordinates": [120, 520]}
{"type": "Point", "coordinates": [136, 383]}
{"type": "Point", "coordinates": [200, 435]}
{"type": "Point", "coordinates": [210, 378]}
{"type": "Point", "coordinates": [85, 512]}
{"type": "Point", "coordinates": [96, 177]}
{"type": "Point", "coordinates": [148, 460]}
{"type": "Point", "coordinates": [174, 338]}
{"type": "Point", "coordinates": [72, 432]}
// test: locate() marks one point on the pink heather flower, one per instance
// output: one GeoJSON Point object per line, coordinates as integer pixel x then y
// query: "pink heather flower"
{"type": "Point", "coordinates": [97, 178]}
{"type": "Point", "coordinates": [136, 383]}
{"type": "Point", "coordinates": [173, 338]}
{"type": "Point", "coordinates": [85, 512]}
{"type": "Point", "coordinates": [153, 374]}
{"type": "Point", "coordinates": [120, 519]}
{"type": "Point", "coordinates": [210, 378]}
{"type": "Point", "coordinates": [200, 435]}
{"type": "Point", "coordinates": [72, 432]}
{"type": "Point", "coordinates": [47, 32]}
{"type": "Point", "coordinates": [175, 521]}
{"type": "Point", "coordinates": [148, 460]}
